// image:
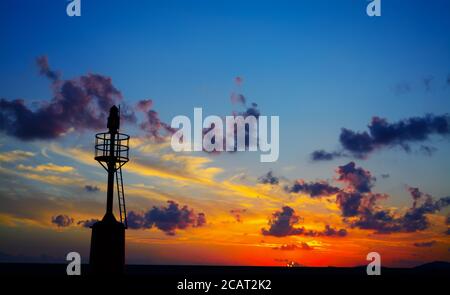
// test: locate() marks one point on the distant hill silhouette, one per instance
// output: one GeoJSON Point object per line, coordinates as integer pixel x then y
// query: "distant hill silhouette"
{"type": "Point", "coordinates": [434, 266]}
{"type": "Point", "coordinates": [164, 278]}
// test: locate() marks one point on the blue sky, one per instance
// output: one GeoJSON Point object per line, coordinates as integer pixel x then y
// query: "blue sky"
{"type": "Point", "coordinates": [313, 63]}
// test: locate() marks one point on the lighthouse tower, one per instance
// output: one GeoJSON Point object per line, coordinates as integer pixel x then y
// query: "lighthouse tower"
{"type": "Point", "coordinates": [107, 255]}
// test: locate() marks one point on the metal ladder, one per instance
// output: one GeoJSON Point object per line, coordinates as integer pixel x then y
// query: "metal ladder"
{"type": "Point", "coordinates": [121, 197]}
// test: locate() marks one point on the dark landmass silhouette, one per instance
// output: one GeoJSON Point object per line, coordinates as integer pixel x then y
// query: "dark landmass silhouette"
{"type": "Point", "coordinates": [164, 278]}
{"type": "Point", "coordinates": [59, 269]}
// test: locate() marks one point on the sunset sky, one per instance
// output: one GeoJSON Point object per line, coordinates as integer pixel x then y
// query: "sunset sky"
{"type": "Point", "coordinates": [363, 104]}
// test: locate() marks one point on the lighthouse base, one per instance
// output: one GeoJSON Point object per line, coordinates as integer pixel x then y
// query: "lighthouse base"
{"type": "Point", "coordinates": [107, 247]}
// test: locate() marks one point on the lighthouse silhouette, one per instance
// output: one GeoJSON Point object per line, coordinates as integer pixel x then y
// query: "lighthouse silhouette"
{"type": "Point", "coordinates": [107, 254]}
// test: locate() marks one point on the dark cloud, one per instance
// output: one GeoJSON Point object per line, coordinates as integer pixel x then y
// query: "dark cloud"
{"type": "Point", "coordinates": [357, 200]}
{"type": "Point", "coordinates": [416, 194]}
{"type": "Point", "coordinates": [136, 221]}
{"type": "Point", "coordinates": [144, 105]}
{"type": "Point", "coordinates": [414, 219]}
{"type": "Point", "coordinates": [357, 179]}
{"type": "Point", "coordinates": [91, 188]}
{"type": "Point", "coordinates": [356, 197]}
{"type": "Point", "coordinates": [359, 205]}
{"type": "Point", "coordinates": [331, 232]}
{"type": "Point", "coordinates": [252, 110]}
{"type": "Point", "coordinates": [427, 150]}
{"type": "Point", "coordinates": [269, 178]}
{"type": "Point", "coordinates": [201, 220]}
{"type": "Point", "coordinates": [237, 214]}
{"type": "Point", "coordinates": [427, 83]}
{"type": "Point", "coordinates": [381, 221]}
{"type": "Point", "coordinates": [87, 223]}
{"type": "Point", "coordinates": [78, 104]}
{"type": "Point", "coordinates": [321, 155]}
{"type": "Point", "coordinates": [313, 189]}
{"type": "Point", "coordinates": [168, 219]}
{"type": "Point", "coordinates": [292, 247]}
{"type": "Point", "coordinates": [282, 224]}
{"type": "Point", "coordinates": [425, 244]}
{"type": "Point", "coordinates": [44, 68]}
{"type": "Point", "coordinates": [62, 220]}
{"type": "Point", "coordinates": [384, 134]}
{"type": "Point", "coordinates": [349, 203]}
{"type": "Point", "coordinates": [328, 231]}
{"type": "Point", "coordinates": [153, 125]}
{"type": "Point", "coordinates": [238, 98]}
{"type": "Point", "coordinates": [402, 88]}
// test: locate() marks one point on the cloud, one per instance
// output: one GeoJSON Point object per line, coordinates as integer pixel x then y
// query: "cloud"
{"type": "Point", "coordinates": [168, 219]}
{"type": "Point", "coordinates": [238, 80]}
{"type": "Point", "coordinates": [136, 220]}
{"type": "Point", "coordinates": [15, 155]}
{"type": "Point", "coordinates": [144, 105]}
{"type": "Point", "coordinates": [359, 205]}
{"type": "Point", "coordinates": [413, 220]}
{"type": "Point", "coordinates": [237, 214]}
{"type": "Point", "coordinates": [357, 179]}
{"type": "Point", "coordinates": [237, 98]}
{"type": "Point", "coordinates": [252, 110]}
{"type": "Point", "coordinates": [331, 232]}
{"type": "Point", "coordinates": [62, 220]}
{"type": "Point", "coordinates": [416, 194]}
{"type": "Point", "coordinates": [282, 224]}
{"type": "Point", "coordinates": [349, 203]}
{"type": "Point", "coordinates": [383, 134]}
{"type": "Point", "coordinates": [269, 178]}
{"type": "Point", "coordinates": [356, 198]}
{"type": "Point", "coordinates": [425, 244]}
{"type": "Point", "coordinates": [321, 155]}
{"type": "Point", "coordinates": [91, 188]}
{"type": "Point", "coordinates": [427, 83]}
{"type": "Point", "coordinates": [88, 223]}
{"type": "Point", "coordinates": [447, 222]}
{"type": "Point", "coordinates": [292, 247]}
{"type": "Point", "coordinates": [44, 68]}
{"type": "Point", "coordinates": [195, 171]}
{"type": "Point", "coordinates": [78, 104]}
{"type": "Point", "coordinates": [427, 150]}
{"type": "Point", "coordinates": [313, 189]}
{"type": "Point", "coordinates": [152, 125]}
{"type": "Point", "coordinates": [49, 167]}
{"type": "Point", "coordinates": [402, 88]}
